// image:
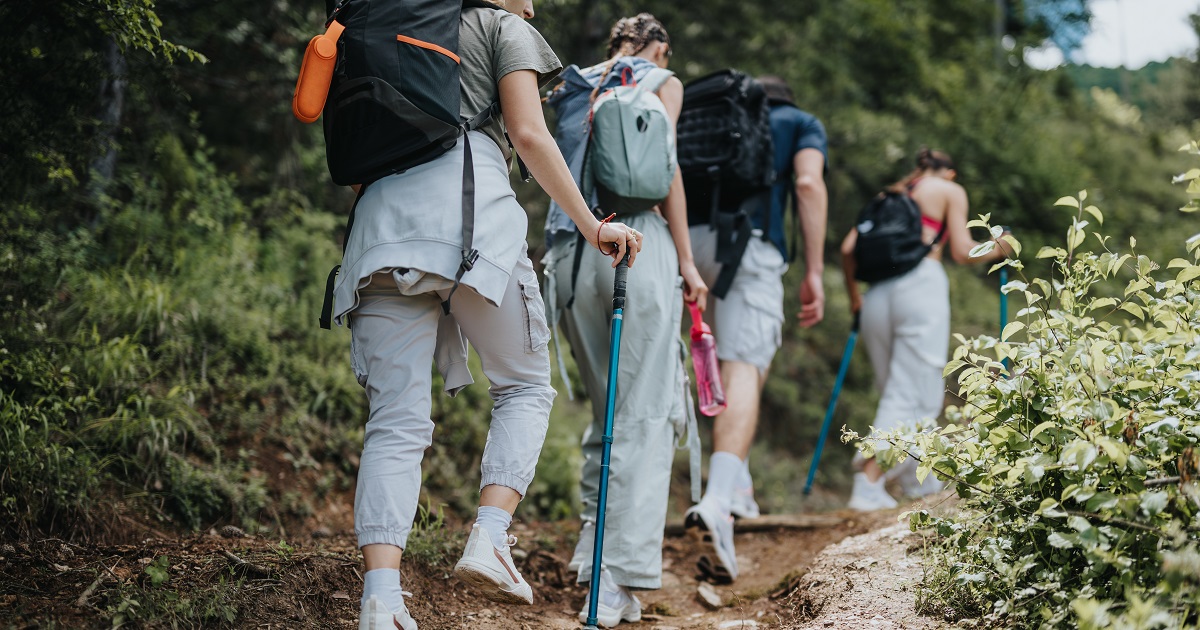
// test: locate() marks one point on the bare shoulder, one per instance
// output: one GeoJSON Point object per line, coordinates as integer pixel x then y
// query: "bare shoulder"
{"type": "Point", "coordinates": [671, 86]}
{"type": "Point", "coordinates": [943, 188]}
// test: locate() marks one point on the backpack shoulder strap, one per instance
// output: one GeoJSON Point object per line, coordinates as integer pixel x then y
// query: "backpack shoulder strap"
{"type": "Point", "coordinates": [655, 79]}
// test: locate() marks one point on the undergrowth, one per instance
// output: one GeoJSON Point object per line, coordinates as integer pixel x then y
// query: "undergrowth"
{"type": "Point", "coordinates": [1076, 453]}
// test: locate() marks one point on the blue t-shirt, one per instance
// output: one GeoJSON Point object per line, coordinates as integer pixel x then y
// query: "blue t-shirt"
{"type": "Point", "coordinates": [792, 130]}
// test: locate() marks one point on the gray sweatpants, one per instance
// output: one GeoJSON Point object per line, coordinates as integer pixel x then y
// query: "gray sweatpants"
{"type": "Point", "coordinates": [649, 408]}
{"type": "Point", "coordinates": [906, 330]}
{"type": "Point", "coordinates": [393, 340]}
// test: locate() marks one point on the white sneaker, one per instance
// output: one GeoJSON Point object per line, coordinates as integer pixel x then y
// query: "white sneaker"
{"type": "Point", "coordinates": [616, 603]}
{"type": "Point", "coordinates": [869, 496]}
{"type": "Point", "coordinates": [586, 537]}
{"type": "Point", "coordinates": [707, 523]}
{"type": "Point", "coordinates": [375, 616]}
{"type": "Point", "coordinates": [492, 570]}
{"type": "Point", "coordinates": [744, 505]}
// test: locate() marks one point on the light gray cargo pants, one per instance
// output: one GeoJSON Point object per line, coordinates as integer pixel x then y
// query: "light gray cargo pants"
{"type": "Point", "coordinates": [394, 337]}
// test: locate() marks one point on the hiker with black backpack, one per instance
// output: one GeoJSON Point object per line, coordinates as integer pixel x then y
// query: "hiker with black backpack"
{"type": "Point", "coordinates": [616, 128]}
{"type": "Point", "coordinates": [897, 245]}
{"type": "Point", "coordinates": [436, 212]}
{"type": "Point", "coordinates": [747, 312]}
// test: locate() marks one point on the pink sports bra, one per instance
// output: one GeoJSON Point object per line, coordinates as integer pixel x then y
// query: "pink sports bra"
{"type": "Point", "coordinates": [928, 222]}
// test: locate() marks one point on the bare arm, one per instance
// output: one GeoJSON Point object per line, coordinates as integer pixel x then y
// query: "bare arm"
{"type": "Point", "coordinates": [960, 241]}
{"type": "Point", "coordinates": [812, 209]}
{"type": "Point", "coordinates": [674, 207]}
{"type": "Point", "coordinates": [522, 107]}
{"type": "Point", "coordinates": [849, 266]}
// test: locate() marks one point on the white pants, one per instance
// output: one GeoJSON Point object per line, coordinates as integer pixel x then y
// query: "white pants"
{"type": "Point", "coordinates": [392, 347]}
{"type": "Point", "coordinates": [906, 330]}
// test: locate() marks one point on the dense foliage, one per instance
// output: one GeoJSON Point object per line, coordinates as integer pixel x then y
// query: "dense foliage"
{"type": "Point", "coordinates": [166, 227]}
{"type": "Point", "coordinates": [1076, 451]}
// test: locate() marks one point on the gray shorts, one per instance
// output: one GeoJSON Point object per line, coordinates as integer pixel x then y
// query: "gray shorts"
{"type": "Point", "coordinates": [748, 321]}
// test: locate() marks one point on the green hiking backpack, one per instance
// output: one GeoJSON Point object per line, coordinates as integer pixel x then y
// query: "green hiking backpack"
{"type": "Point", "coordinates": [630, 159]}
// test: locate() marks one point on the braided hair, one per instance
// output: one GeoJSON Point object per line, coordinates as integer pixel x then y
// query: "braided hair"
{"type": "Point", "coordinates": [628, 37]}
{"type": "Point", "coordinates": [631, 35]}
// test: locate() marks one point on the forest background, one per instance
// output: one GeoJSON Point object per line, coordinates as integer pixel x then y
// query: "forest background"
{"type": "Point", "coordinates": [167, 226]}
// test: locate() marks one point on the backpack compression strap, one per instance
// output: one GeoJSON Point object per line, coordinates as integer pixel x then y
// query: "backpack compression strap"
{"type": "Point", "coordinates": [326, 320]}
{"type": "Point", "coordinates": [469, 254]}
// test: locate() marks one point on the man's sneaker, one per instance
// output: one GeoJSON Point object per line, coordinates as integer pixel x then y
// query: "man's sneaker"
{"type": "Point", "coordinates": [708, 524]}
{"type": "Point", "coordinates": [868, 496]}
{"type": "Point", "coordinates": [744, 505]}
{"type": "Point", "coordinates": [492, 570]}
{"type": "Point", "coordinates": [615, 604]}
{"type": "Point", "coordinates": [376, 616]}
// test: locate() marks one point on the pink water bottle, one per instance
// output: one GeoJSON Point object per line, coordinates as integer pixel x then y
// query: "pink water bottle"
{"type": "Point", "coordinates": [704, 359]}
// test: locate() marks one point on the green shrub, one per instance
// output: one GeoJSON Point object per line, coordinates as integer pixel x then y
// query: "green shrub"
{"type": "Point", "coordinates": [1077, 451]}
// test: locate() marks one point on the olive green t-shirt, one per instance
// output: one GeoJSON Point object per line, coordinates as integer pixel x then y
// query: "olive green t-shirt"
{"type": "Point", "coordinates": [493, 43]}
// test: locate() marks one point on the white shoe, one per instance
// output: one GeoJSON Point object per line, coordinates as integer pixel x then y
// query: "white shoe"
{"type": "Point", "coordinates": [707, 523]}
{"type": "Point", "coordinates": [375, 616]}
{"type": "Point", "coordinates": [492, 570]}
{"type": "Point", "coordinates": [744, 505]}
{"type": "Point", "coordinates": [615, 604]}
{"type": "Point", "coordinates": [869, 496]}
{"type": "Point", "coordinates": [586, 537]}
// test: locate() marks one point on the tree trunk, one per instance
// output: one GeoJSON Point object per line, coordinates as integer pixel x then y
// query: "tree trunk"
{"type": "Point", "coordinates": [112, 103]}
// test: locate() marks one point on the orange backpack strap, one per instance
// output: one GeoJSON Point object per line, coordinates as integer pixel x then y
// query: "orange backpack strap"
{"type": "Point", "coordinates": [316, 73]}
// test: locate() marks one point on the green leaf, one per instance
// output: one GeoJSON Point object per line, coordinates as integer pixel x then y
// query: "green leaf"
{"type": "Point", "coordinates": [1178, 263]}
{"type": "Point", "coordinates": [1013, 243]}
{"type": "Point", "coordinates": [1189, 274]}
{"type": "Point", "coordinates": [1154, 502]}
{"type": "Point", "coordinates": [1051, 252]}
{"type": "Point", "coordinates": [1134, 309]}
{"type": "Point", "coordinates": [1095, 212]}
{"type": "Point", "coordinates": [1011, 329]}
{"type": "Point", "coordinates": [982, 249]}
{"type": "Point", "coordinates": [1116, 451]}
{"type": "Point", "coordinates": [1042, 427]}
{"type": "Point", "coordinates": [1067, 201]}
{"type": "Point", "coordinates": [1058, 541]}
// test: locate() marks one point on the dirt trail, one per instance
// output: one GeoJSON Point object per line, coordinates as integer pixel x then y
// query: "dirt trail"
{"type": "Point", "coordinates": [216, 581]}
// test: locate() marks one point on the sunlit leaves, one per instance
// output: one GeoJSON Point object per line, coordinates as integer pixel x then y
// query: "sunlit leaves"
{"type": "Point", "coordinates": [1068, 458]}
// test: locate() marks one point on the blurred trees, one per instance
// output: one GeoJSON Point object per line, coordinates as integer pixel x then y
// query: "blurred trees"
{"type": "Point", "coordinates": [159, 196]}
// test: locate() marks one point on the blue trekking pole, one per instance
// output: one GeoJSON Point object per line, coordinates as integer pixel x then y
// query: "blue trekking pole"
{"type": "Point", "coordinates": [614, 354]}
{"type": "Point", "coordinates": [1003, 305]}
{"type": "Point", "coordinates": [837, 390]}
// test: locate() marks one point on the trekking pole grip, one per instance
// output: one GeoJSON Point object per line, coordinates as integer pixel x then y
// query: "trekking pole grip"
{"type": "Point", "coordinates": [619, 284]}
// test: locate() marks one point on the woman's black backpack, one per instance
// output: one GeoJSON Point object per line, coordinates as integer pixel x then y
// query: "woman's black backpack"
{"type": "Point", "coordinates": [889, 238]}
{"type": "Point", "coordinates": [394, 104]}
{"type": "Point", "coordinates": [394, 100]}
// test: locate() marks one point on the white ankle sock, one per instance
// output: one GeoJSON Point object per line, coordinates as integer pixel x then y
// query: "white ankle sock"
{"type": "Point", "coordinates": [745, 482]}
{"type": "Point", "coordinates": [384, 584]}
{"type": "Point", "coordinates": [724, 471]}
{"type": "Point", "coordinates": [496, 522]}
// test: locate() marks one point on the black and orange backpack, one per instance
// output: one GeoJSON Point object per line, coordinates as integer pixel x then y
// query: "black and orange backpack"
{"type": "Point", "coordinates": [385, 77]}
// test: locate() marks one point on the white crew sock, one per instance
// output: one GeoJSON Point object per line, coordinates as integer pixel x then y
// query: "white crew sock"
{"type": "Point", "coordinates": [384, 584]}
{"type": "Point", "coordinates": [745, 483]}
{"type": "Point", "coordinates": [724, 471]}
{"type": "Point", "coordinates": [495, 522]}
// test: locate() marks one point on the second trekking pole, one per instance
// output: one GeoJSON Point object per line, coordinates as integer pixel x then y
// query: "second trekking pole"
{"type": "Point", "coordinates": [614, 354]}
{"type": "Point", "coordinates": [837, 390]}
{"type": "Point", "coordinates": [1003, 305]}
